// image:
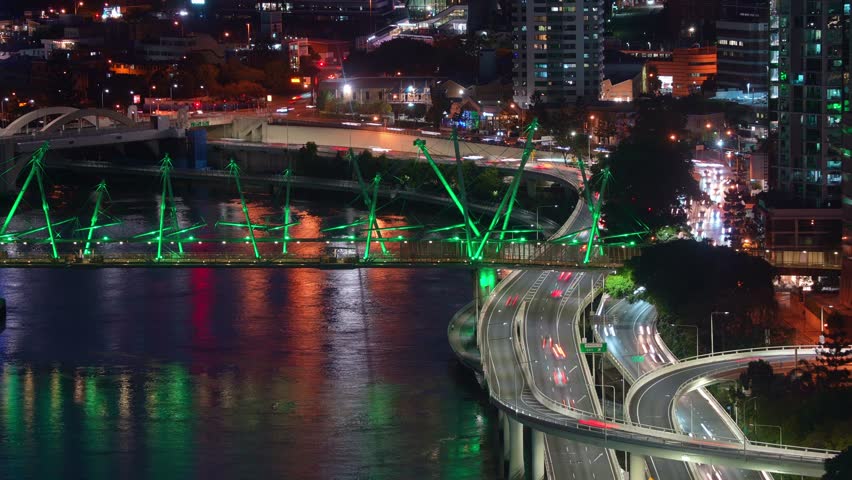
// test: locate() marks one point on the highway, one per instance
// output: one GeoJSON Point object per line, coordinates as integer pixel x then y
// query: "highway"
{"type": "Point", "coordinates": [645, 408]}
{"type": "Point", "coordinates": [630, 330]}
{"type": "Point", "coordinates": [542, 389]}
{"type": "Point", "coordinates": [549, 331]}
{"type": "Point", "coordinates": [530, 294]}
{"type": "Point", "coordinates": [521, 388]}
{"type": "Point", "coordinates": [523, 299]}
{"type": "Point", "coordinates": [707, 219]}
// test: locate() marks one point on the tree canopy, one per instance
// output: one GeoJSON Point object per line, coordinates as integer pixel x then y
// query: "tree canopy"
{"type": "Point", "coordinates": [688, 280]}
{"type": "Point", "coordinates": [651, 181]}
{"type": "Point", "coordinates": [839, 467]}
{"type": "Point", "coordinates": [412, 57]}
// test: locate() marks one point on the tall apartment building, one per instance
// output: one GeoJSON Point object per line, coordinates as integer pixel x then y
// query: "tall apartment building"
{"type": "Point", "coordinates": [809, 57]}
{"type": "Point", "coordinates": [558, 50]}
{"type": "Point", "coordinates": [742, 33]}
{"type": "Point", "coordinates": [332, 18]}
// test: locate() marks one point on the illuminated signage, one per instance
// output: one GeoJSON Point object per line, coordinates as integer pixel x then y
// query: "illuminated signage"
{"type": "Point", "coordinates": [197, 2]}
{"type": "Point", "coordinates": [111, 12]}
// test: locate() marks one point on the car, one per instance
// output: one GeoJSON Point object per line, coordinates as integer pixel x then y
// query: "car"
{"type": "Point", "coordinates": [556, 293]}
{"type": "Point", "coordinates": [512, 300]}
{"type": "Point", "coordinates": [557, 351]}
{"type": "Point", "coordinates": [565, 276]}
{"type": "Point", "coordinates": [559, 377]}
{"type": "Point", "coordinates": [282, 110]}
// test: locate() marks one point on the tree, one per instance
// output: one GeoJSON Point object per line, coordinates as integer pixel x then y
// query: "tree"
{"type": "Point", "coordinates": [413, 57]}
{"type": "Point", "coordinates": [246, 88]}
{"type": "Point", "coordinates": [839, 467]}
{"type": "Point", "coordinates": [307, 67]}
{"type": "Point", "coordinates": [234, 71]}
{"type": "Point", "coordinates": [652, 80]}
{"type": "Point", "coordinates": [276, 75]}
{"type": "Point", "coordinates": [487, 185]}
{"type": "Point", "coordinates": [605, 131]}
{"type": "Point", "coordinates": [620, 285]}
{"type": "Point", "coordinates": [440, 104]}
{"type": "Point", "coordinates": [830, 367]}
{"type": "Point", "coordinates": [685, 279]}
{"type": "Point", "coordinates": [652, 181]}
{"type": "Point", "coordinates": [757, 378]}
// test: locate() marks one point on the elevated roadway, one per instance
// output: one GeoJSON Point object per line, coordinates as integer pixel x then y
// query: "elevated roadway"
{"type": "Point", "coordinates": [631, 333]}
{"type": "Point", "coordinates": [523, 385]}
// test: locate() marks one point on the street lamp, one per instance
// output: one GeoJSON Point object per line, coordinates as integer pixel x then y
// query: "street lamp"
{"type": "Point", "coordinates": [537, 226]}
{"type": "Point", "coordinates": [106, 90]}
{"type": "Point", "coordinates": [745, 404]}
{"type": "Point", "coordinates": [822, 323]}
{"type": "Point", "coordinates": [248, 35]}
{"type": "Point", "coordinates": [696, 333]}
{"type": "Point", "coordinates": [603, 400]}
{"type": "Point", "coordinates": [3, 110]}
{"type": "Point", "coordinates": [712, 344]}
{"type": "Point", "coordinates": [171, 90]}
{"type": "Point", "coordinates": [780, 431]}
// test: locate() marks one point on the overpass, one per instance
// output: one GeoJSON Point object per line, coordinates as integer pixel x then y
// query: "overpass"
{"type": "Point", "coordinates": [519, 251]}
{"type": "Point", "coordinates": [70, 128]}
{"type": "Point", "coordinates": [516, 382]}
{"type": "Point", "coordinates": [522, 400]}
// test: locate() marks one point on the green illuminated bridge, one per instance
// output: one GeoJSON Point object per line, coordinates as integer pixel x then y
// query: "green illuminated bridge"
{"type": "Point", "coordinates": [86, 240]}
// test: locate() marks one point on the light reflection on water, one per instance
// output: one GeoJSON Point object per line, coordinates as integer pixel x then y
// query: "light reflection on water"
{"type": "Point", "coordinates": [245, 373]}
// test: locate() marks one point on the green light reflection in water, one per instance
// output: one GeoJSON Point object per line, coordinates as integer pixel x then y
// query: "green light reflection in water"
{"type": "Point", "coordinates": [168, 402]}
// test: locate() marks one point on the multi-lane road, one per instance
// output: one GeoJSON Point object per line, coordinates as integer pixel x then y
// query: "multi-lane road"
{"type": "Point", "coordinates": [533, 358]}
{"type": "Point", "coordinates": [630, 332]}
{"type": "Point", "coordinates": [542, 308]}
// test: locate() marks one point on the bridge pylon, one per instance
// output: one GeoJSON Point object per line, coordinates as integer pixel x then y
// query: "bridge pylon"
{"type": "Point", "coordinates": [509, 197]}
{"type": "Point", "coordinates": [235, 172]}
{"type": "Point", "coordinates": [596, 216]}
{"type": "Point", "coordinates": [167, 201]}
{"type": "Point", "coordinates": [286, 177]}
{"type": "Point", "coordinates": [37, 172]}
{"type": "Point", "coordinates": [369, 202]}
{"type": "Point", "coordinates": [372, 220]}
{"type": "Point", "coordinates": [100, 192]}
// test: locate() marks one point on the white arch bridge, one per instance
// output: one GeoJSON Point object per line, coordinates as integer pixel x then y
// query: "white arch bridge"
{"type": "Point", "coordinates": [68, 127]}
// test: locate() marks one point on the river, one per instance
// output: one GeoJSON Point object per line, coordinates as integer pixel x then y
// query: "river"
{"type": "Point", "coordinates": [236, 373]}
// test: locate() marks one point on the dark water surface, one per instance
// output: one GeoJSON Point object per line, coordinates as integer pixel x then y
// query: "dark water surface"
{"type": "Point", "coordinates": [244, 373]}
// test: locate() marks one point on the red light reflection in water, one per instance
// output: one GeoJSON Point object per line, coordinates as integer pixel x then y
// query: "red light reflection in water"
{"type": "Point", "coordinates": [202, 299]}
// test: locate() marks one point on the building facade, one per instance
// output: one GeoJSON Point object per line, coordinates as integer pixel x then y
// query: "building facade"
{"type": "Point", "coordinates": [558, 51]}
{"type": "Point", "coordinates": [407, 91]}
{"type": "Point", "coordinates": [687, 70]}
{"type": "Point", "coordinates": [332, 18]}
{"type": "Point", "coordinates": [808, 62]}
{"type": "Point", "coordinates": [743, 46]}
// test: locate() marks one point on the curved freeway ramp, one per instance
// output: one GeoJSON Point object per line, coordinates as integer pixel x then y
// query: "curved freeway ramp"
{"type": "Point", "coordinates": [518, 383]}
{"type": "Point", "coordinates": [630, 330]}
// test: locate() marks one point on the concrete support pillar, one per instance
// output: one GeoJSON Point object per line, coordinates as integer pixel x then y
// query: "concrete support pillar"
{"type": "Point", "coordinates": [532, 187]}
{"type": "Point", "coordinates": [637, 467]}
{"type": "Point", "coordinates": [484, 281]}
{"type": "Point", "coordinates": [537, 455]}
{"type": "Point", "coordinates": [516, 455]}
{"type": "Point", "coordinates": [507, 437]}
